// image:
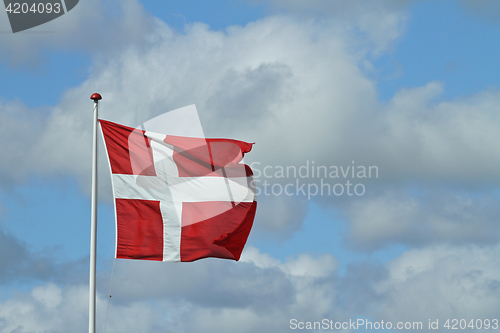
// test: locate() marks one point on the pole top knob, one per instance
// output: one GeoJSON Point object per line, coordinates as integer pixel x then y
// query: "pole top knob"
{"type": "Point", "coordinates": [96, 97]}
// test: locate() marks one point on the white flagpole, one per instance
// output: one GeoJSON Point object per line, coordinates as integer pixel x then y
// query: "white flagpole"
{"type": "Point", "coordinates": [93, 224]}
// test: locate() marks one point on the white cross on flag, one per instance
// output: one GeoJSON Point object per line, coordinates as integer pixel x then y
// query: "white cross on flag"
{"type": "Point", "coordinates": [179, 198]}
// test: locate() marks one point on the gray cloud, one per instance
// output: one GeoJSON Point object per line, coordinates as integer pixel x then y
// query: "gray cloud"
{"type": "Point", "coordinates": [279, 215]}
{"type": "Point", "coordinates": [208, 283]}
{"type": "Point", "coordinates": [257, 293]}
{"type": "Point", "coordinates": [436, 282]}
{"type": "Point", "coordinates": [85, 28]}
{"type": "Point", "coordinates": [20, 128]}
{"type": "Point", "coordinates": [262, 293]}
{"type": "Point", "coordinates": [251, 95]}
{"type": "Point", "coordinates": [441, 282]}
{"type": "Point", "coordinates": [18, 264]}
{"type": "Point", "coordinates": [379, 23]}
{"type": "Point", "coordinates": [427, 216]}
{"type": "Point", "coordinates": [484, 9]}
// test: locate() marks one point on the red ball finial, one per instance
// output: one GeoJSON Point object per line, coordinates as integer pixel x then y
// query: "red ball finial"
{"type": "Point", "coordinates": [96, 97]}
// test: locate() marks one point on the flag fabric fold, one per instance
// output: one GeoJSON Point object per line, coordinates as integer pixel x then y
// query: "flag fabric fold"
{"type": "Point", "coordinates": [179, 198]}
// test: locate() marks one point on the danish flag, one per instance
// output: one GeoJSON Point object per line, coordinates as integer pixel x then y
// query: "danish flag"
{"type": "Point", "coordinates": [179, 198]}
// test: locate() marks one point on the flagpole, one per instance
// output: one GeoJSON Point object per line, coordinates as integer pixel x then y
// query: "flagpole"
{"type": "Point", "coordinates": [93, 220]}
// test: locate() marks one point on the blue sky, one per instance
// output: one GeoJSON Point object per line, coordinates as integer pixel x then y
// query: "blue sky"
{"type": "Point", "coordinates": [443, 42]}
{"type": "Point", "coordinates": [412, 87]}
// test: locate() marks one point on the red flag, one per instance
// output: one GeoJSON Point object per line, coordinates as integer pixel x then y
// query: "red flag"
{"type": "Point", "coordinates": [179, 198]}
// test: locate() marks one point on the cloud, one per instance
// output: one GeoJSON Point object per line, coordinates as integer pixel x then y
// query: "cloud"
{"type": "Point", "coordinates": [263, 293]}
{"type": "Point", "coordinates": [436, 282]}
{"type": "Point", "coordinates": [256, 282]}
{"type": "Point", "coordinates": [45, 309]}
{"type": "Point", "coordinates": [19, 264]}
{"type": "Point", "coordinates": [93, 26]}
{"type": "Point", "coordinates": [16, 118]}
{"type": "Point", "coordinates": [279, 215]}
{"type": "Point", "coordinates": [259, 292]}
{"type": "Point", "coordinates": [441, 282]}
{"type": "Point", "coordinates": [427, 216]}
{"type": "Point", "coordinates": [488, 9]}
{"type": "Point", "coordinates": [54, 308]}
{"type": "Point", "coordinates": [379, 23]}
{"type": "Point", "coordinates": [448, 140]}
